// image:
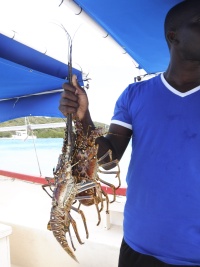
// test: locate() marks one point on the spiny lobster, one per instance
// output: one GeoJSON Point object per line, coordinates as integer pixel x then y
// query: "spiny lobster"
{"type": "Point", "coordinates": [76, 178]}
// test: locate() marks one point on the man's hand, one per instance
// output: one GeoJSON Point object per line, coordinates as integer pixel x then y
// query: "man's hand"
{"type": "Point", "coordinates": [74, 100]}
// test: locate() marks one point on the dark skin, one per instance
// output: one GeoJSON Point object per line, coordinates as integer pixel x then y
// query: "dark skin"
{"type": "Point", "coordinates": [74, 100]}
{"type": "Point", "coordinates": [183, 73]}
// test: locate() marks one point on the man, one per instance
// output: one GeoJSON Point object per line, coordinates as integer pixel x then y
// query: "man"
{"type": "Point", "coordinates": [162, 211]}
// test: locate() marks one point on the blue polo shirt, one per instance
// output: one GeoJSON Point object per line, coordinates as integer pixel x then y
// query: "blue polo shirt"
{"type": "Point", "coordinates": [162, 211]}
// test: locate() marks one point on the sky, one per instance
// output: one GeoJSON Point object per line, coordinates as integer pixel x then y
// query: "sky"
{"type": "Point", "coordinates": [39, 23]}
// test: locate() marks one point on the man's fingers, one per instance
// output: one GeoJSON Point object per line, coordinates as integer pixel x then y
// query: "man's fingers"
{"type": "Point", "coordinates": [68, 87]}
{"type": "Point", "coordinates": [74, 87]}
{"type": "Point", "coordinates": [67, 102]}
{"type": "Point", "coordinates": [73, 99]}
{"type": "Point", "coordinates": [79, 89]}
{"type": "Point", "coordinates": [69, 110]}
{"type": "Point", "coordinates": [74, 81]}
{"type": "Point", "coordinates": [69, 95]}
{"type": "Point", "coordinates": [67, 106]}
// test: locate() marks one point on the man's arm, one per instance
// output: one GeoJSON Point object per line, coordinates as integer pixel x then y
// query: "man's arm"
{"type": "Point", "coordinates": [74, 101]}
{"type": "Point", "coordinates": [116, 140]}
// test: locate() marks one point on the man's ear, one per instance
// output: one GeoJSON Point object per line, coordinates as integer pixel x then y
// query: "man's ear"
{"type": "Point", "coordinates": [171, 37]}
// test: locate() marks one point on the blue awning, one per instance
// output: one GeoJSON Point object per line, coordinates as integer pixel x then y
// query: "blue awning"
{"type": "Point", "coordinates": [30, 82]}
{"type": "Point", "coordinates": [136, 25]}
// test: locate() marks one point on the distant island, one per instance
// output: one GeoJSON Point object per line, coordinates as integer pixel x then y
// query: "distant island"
{"type": "Point", "coordinates": [40, 133]}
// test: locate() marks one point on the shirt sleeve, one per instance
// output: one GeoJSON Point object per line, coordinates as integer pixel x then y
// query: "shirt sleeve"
{"type": "Point", "coordinates": [121, 114]}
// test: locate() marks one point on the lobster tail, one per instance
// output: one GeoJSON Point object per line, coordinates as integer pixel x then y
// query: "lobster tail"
{"type": "Point", "coordinates": [58, 229]}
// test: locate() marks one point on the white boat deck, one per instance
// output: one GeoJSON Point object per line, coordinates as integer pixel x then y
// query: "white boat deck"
{"type": "Point", "coordinates": [26, 208]}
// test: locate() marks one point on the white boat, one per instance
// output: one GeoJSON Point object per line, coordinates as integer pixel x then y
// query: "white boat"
{"type": "Point", "coordinates": [26, 133]}
{"type": "Point", "coordinates": [23, 135]}
{"type": "Point", "coordinates": [25, 216]}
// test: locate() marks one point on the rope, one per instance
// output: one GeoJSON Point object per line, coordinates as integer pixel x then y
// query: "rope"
{"type": "Point", "coordinates": [32, 134]}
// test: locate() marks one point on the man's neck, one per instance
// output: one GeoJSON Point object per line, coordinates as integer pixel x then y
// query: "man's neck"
{"type": "Point", "coordinates": [183, 79]}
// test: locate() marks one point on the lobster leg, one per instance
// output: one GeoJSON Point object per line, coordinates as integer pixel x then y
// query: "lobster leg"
{"type": "Point", "coordinates": [114, 188]}
{"type": "Point", "coordinates": [107, 200]}
{"type": "Point", "coordinates": [97, 199]}
{"type": "Point", "coordinates": [70, 237]}
{"type": "Point", "coordinates": [72, 221]}
{"type": "Point", "coordinates": [83, 219]}
{"type": "Point", "coordinates": [44, 188]}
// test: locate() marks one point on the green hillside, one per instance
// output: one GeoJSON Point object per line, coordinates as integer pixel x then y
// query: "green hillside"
{"type": "Point", "coordinates": [40, 133]}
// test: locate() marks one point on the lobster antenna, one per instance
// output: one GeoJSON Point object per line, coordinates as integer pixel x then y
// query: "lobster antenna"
{"type": "Point", "coordinates": [68, 130]}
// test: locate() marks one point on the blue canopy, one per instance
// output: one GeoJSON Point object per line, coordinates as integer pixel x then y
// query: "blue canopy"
{"type": "Point", "coordinates": [136, 25]}
{"type": "Point", "coordinates": [30, 82]}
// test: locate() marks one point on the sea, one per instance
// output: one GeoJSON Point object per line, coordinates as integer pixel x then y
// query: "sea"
{"type": "Point", "coordinates": [38, 157]}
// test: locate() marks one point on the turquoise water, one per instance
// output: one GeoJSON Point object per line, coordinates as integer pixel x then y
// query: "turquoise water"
{"type": "Point", "coordinates": [25, 157]}
{"type": "Point", "coordinates": [38, 157]}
